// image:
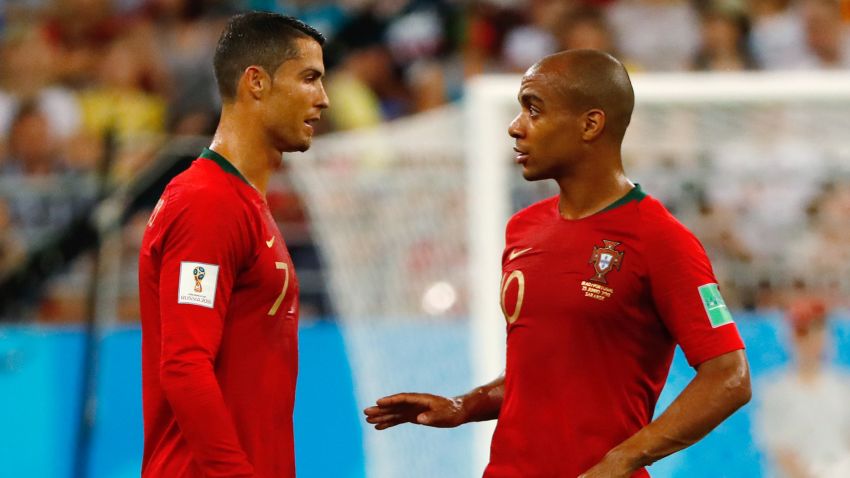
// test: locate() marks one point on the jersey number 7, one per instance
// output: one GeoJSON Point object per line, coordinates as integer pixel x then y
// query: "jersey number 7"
{"type": "Point", "coordinates": [276, 305]}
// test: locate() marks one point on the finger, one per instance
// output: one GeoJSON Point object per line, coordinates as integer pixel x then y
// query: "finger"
{"type": "Point", "coordinates": [386, 418]}
{"type": "Point", "coordinates": [405, 399]}
{"type": "Point", "coordinates": [391, 399]}
{"type": "Point", "coordinates": [398, 409]}
{"type": "Point", "coordinates": [384, 426]}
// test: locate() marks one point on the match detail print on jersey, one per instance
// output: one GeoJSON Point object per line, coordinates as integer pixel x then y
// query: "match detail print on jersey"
{"type": "Point", "coordinates": [715, 306]}
{"type": "Point", "coordinates": [197, 284]}
{"type": "Point", "coordinates": [155, 211]}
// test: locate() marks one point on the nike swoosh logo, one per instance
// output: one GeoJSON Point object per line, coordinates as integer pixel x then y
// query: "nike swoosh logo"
{"type": "Point", "coordinates": [270, 242]}
{"type": "Point", "coordinates": [516, 253]}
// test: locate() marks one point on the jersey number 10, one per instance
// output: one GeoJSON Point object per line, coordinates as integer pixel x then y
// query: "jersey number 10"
{"type": "Point", "coordinates": [517, 276]}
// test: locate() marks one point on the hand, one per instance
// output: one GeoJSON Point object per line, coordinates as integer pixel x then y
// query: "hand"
{"type": "Point", "coordinates": [419, 408]}
{"type": "Point", "coordinates": [609, 467]}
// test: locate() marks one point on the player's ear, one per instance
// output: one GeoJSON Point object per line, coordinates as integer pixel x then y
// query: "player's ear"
{"type": "Point", "coordinates": [594, 124]}
{"type": "Point", "coordinates": [255, 81]}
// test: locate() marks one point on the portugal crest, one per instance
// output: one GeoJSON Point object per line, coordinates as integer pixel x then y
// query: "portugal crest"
{"type": "Point", "coordinates": [604, 259]}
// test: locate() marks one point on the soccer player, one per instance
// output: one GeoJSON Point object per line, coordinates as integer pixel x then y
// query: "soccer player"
{"type": "Point", "coordinates": [599, 285]}
{"type": "Point", "coordinates": [218, 291]}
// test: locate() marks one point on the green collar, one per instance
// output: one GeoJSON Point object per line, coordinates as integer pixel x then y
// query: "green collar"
{"type": "Point", "coordinates": [223, 163]}
{"type": "Point", "coordinates": [636, 194]}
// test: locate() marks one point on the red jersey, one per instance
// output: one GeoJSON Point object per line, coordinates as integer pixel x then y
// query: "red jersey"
{"type": "Point", "coordinates": [595, 308]}
{"type": "Point", "coordinates": [219, 302]}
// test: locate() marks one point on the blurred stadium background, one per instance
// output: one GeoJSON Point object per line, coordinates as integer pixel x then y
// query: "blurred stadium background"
{"type": "Point", "coordinates": [395, 217]}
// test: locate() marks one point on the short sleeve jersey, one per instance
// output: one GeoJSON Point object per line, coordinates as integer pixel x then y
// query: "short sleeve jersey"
{"type": "Point", "coordinates": [594, 310]}
{"type": "Point", "coordinates": [219, 303]}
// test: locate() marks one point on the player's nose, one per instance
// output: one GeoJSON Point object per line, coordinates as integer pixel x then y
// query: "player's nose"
{"type": "Point", "coordinates": [515, 128]}
{"type": "Point", "coordinates": [324, 101]}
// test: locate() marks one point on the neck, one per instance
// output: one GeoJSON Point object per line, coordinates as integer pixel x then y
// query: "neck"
{"type": "Point", "coordinates": [591, 188]}
{"type": "Point", "coordinates": [808, 371]}
{"type": "Point", "coordinates": [245, 145]}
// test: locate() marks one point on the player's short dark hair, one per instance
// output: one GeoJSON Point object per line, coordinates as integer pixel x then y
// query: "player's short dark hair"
{"type": "Point", "coordinates": [257, 38]}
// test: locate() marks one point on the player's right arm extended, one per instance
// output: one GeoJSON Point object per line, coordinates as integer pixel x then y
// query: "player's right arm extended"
{"type": "Point", "coordinates": [191, 335]}
{"type": "Point", "coordinates": [480, 404]}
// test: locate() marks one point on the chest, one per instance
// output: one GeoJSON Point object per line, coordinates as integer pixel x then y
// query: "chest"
{"type": "Point", "coordinates": [569, 273]}
{"type": "Point", "coordinates": [268, 282]}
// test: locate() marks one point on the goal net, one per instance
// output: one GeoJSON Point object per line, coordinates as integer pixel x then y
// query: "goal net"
{"type": "Point", "coordinates": [409, 220]}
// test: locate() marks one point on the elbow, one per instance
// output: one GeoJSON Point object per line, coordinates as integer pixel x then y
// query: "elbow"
{"type": "Point", "coordinates": [743, 394]}
{"type": "Point", "coordinates": [170, 376]}
{"type": "Point", "coordinates": [738, 387]}
{"type": "Point", "coordinates": [176, 374]}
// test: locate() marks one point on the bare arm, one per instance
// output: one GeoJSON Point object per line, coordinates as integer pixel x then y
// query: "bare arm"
{"type": "Point", "coordinates": [480, 404]}
{"type": "Point", "coordinates": [721, 386]}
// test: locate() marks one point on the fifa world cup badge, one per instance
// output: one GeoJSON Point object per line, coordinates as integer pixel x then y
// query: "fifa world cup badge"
{"type": "Point", "coordinates": [198, 272]}
{"type": "Point", "coordinates": [197, 284]}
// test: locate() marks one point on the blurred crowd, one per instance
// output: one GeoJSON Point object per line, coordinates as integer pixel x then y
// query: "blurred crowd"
{"type": "Point", "coordinates": [83, 79]}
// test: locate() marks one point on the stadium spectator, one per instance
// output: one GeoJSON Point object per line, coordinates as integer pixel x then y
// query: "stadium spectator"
{"type": "Point", "coordinates": [819, 257]}
{"type": "Point", "coordinates": [33, 150]}
{"type": "Point", "coordinates": [803, 421]}
{"type": "Point", "coordinates": [119, 101]}
{"type": "Point", "coordinates": [328, 16]}
{"type": "Point", "coordinates": [366, 85]}
{"type": "Point", "coordinates": [182, 33]}
{"type": "Point", "coordinates": [42, 192]}
{"type": "Point", "coordinates": [12, 250]}
{"type": "Point", "coordinates": [79, 30]}
{"type": "Point", "coordinates": [827, 36]}
{"type": "Point", "coordinates": [725, 42]}
{"type": "Point", "coordinates": [29, 72]}
{"type": "Point", "coordinates": [486, 26]}
{"type": "Point", "coordinates": [421, 42]}
{"type": "Point", "coordinates": [645, 28]}
{"type": "Point", "coordinates": [715, 225]}
{"type": "Point", "coordinates": [777, 34]}
{"type": "Point", "coordinates": [587, 28]}
{"type": "Point", "coordinates": [526, 43]}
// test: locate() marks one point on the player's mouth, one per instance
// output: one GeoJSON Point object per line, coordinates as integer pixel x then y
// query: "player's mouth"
{"type": "Point", "coordinates": [521, 156]}
{"type": "Point", "coordinates": [311, 122]}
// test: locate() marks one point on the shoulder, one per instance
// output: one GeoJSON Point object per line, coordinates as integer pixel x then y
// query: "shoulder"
{"type": "Point", "coordinates": [774, 382]}
{"type": "Point", "coordinates": [837, 377]}
{"type": "Point", "coordinates": [658, 226]}
{"type": "Point", "coordinates": [203, 194]}
{"type": "Point", "coordinates": [534, 213]}
{"type": "Point", "coordinates": [204, 182]}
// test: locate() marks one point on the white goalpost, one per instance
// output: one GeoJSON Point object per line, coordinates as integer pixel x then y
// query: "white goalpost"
{"type": "Point", "coordinates": [409, 220]}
